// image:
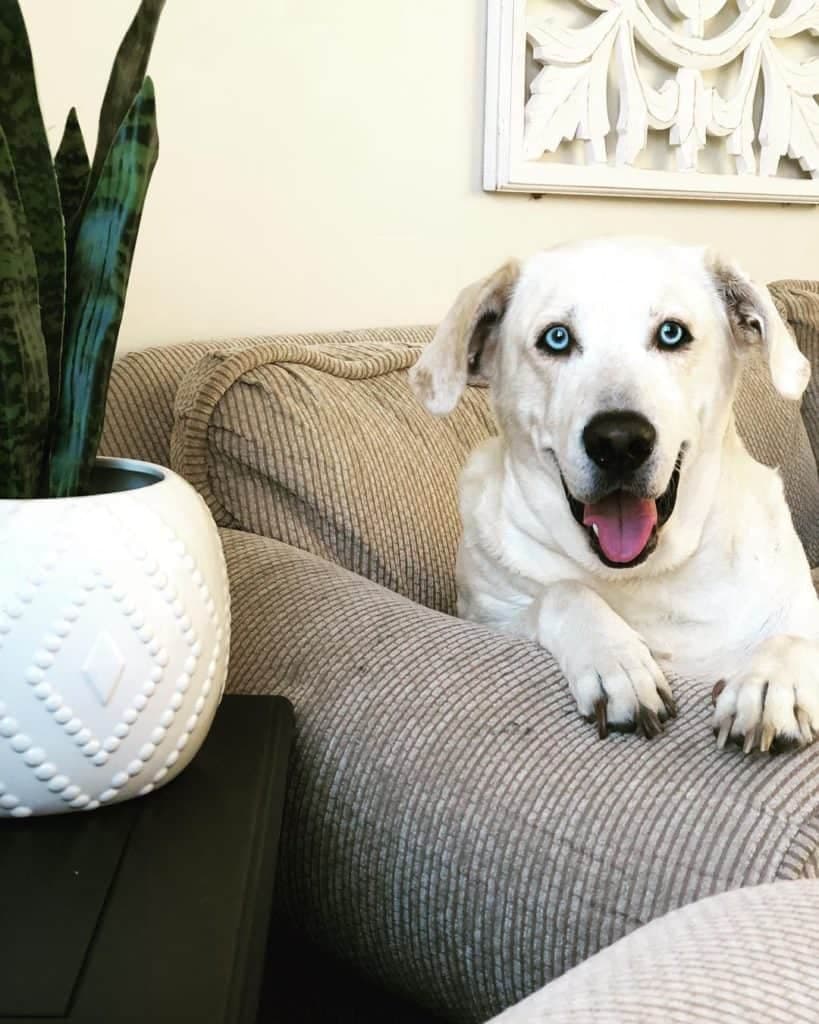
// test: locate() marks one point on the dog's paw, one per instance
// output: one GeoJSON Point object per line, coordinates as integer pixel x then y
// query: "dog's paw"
{"type": "Point", "coordinates": [618, 685]}
{"type": "Point", "coordinates": [773, 703]}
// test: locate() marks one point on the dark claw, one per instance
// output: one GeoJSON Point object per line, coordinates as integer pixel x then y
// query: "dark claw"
{"type": "Point", "coordinates": [650, 724]}
{"type": "Point", "coordinates": [669, 703]}
{"type": "Point", "coordinates": [601, 718]}
{"type": "Point", "coordinates": [718, 688]}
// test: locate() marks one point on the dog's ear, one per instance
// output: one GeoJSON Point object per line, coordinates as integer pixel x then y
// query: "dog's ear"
{"type": "Point", "coordinates": [754, 320]}
{"type": "Point", "coordinates": [464, 344]}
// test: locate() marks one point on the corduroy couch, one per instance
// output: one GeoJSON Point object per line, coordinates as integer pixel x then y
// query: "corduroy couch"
{"type": "Point", "coordinates": [453, 829]}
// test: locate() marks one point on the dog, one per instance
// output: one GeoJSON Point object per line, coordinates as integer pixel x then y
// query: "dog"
{"type": "Point", "coordinates": [617, 519]}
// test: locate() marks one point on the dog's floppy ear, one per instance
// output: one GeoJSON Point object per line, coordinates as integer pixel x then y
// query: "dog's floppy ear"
{"type": "Point", "coordinates": [754, 320]}
{"type": "Point", "coordinates": [463, 346]}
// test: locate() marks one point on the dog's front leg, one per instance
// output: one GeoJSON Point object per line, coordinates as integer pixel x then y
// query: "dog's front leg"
{"type": "Point", "coordinates": [610, 670]}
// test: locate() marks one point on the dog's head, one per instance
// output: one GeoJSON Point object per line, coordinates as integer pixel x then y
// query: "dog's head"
{"type": "Point", "coordinates": [613, 364]}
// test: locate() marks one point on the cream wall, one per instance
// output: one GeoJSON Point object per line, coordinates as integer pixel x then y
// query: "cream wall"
{"type": "Point", "coordinates": [320, 166]}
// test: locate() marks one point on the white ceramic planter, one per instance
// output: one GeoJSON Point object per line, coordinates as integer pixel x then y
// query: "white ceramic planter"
{"type": "Point", "coordinates": [114, 632]}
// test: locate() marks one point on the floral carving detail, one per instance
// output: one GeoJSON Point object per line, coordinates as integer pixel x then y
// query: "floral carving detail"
{"type": "Point", "coordinates": [568, 97]}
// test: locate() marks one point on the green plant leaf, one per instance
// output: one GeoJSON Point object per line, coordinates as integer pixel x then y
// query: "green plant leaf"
{"type": "Point", "coordinates": [97, 285]}
{"type": "Point", "coordinates": [125, 81]}
{"type": "Point", "coordinates": [25, 134]}
{"type": "Point", "coordinates": [23, 364]}
{"type": "Point", "coordinates": [72, 167]}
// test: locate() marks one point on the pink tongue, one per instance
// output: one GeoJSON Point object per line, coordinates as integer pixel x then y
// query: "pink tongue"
{"type": "Point", "coordinates": [624, 524]}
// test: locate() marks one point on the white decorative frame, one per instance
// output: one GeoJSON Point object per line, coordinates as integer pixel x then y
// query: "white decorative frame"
{"type": "Point", "coordinates": [569, 98]}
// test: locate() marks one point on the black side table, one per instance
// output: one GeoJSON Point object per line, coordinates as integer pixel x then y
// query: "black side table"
{"type": "Point", "coordinates": [156, 909]}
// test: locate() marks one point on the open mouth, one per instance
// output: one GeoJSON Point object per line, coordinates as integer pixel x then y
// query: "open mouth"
{"type": "Point", "coordinates": [622, 527]}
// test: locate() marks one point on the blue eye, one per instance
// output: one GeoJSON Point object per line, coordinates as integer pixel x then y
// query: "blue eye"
{"type": "Point", "coordinates": [672, 335]}
{"type": "Point", "coordinates": [556, 338]}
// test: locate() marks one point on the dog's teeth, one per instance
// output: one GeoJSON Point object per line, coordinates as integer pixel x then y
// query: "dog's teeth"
{"type": "Point", "coordinates": [595, 531]}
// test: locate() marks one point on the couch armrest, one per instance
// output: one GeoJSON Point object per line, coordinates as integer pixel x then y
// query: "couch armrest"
{"type": "Point", "coordinates": [452, 826]}
{"type": "Point", "coordinates": [749, 955]}
{"type": "Point", "coordinates": [139, 411]}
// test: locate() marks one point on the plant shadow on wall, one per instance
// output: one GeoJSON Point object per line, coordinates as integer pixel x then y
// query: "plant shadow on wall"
{"type": "Point", "coordinates": [68, 228]}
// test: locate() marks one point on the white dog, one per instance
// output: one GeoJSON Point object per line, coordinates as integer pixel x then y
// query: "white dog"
{"type": "Point", "coordinates": [618, 519]}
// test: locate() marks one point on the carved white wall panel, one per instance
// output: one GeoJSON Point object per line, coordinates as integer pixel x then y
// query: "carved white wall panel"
{"type": "Point", "coordinates": [713, 99]}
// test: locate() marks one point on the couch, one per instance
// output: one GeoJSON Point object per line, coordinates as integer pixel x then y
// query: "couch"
{"type": "Point", "coordinates": [454, 831]}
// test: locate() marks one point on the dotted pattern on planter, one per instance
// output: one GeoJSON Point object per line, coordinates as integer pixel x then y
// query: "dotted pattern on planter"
{"type": "Point", "coordinates": [9, 803]}
{"type": "Point", "coordinates": [97, 750]}
{"type": "Point", "coordinates": [34, 757]}
{"type": "Point", "coordinates": [161, 583]}
{"type": "Point", "coordinates": [14, 609]}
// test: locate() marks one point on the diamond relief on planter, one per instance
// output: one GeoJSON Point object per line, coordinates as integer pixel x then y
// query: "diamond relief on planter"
{"type": "Point", "coordinates": [163, 681]}
{"type": "Point", "coordinates": [103, 667]}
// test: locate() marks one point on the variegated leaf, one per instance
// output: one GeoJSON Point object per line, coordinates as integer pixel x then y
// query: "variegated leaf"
{"type": "Point", "coordinates": [72, 166]}
{"type": "Point", "coordinates": [30, 154]}
{"type": "Point", "coordinates": [24, 389]}
{"type": "Point", "coordinates": [127, 74]}
{"type": "Point", "coordinates": [97, 286]}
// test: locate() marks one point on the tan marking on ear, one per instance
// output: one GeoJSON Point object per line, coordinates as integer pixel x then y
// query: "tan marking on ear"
{"type": "Point", "coordinates": [441, 373]}
{"type": "Point", "coordinates": [754, 319]}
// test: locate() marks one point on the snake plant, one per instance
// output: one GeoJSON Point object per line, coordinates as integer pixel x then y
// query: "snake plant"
{"type": "Point", "coordinates": [68, 228]}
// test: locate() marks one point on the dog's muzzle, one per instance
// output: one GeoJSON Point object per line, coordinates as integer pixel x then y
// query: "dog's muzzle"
{"type": "Point", "coordinates": [623, 527]}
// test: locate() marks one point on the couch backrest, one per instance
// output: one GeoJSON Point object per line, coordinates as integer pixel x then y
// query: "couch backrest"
{"type": "Point", "coordinates": [324, 446]}
{"type": "Point", "coordinates": [139, 413]}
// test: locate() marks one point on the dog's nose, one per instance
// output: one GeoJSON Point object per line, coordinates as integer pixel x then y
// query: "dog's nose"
{"type": "Point", "coordinates": [619, 442]}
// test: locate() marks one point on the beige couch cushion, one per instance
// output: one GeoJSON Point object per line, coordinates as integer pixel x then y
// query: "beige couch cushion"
{"type": "Point", "coordinates": [456, 830]}
{"type": "Point", "coordinates": [322, 445]}
{"type": "Point", "coordinates": [707, 962]}
{"type": "Point", "coordinates": [317, 441]}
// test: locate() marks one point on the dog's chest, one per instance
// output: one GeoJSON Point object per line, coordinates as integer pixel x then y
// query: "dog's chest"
{"type": "Point", "coordinates": [703, 629]}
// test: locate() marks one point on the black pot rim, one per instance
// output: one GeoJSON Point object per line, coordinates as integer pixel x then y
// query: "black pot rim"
{"type": "Point", "coordinates": [114, 476]}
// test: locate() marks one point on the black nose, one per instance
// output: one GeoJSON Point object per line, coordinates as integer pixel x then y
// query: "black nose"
{"type": "Point", "coordinates": [619, 442]}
